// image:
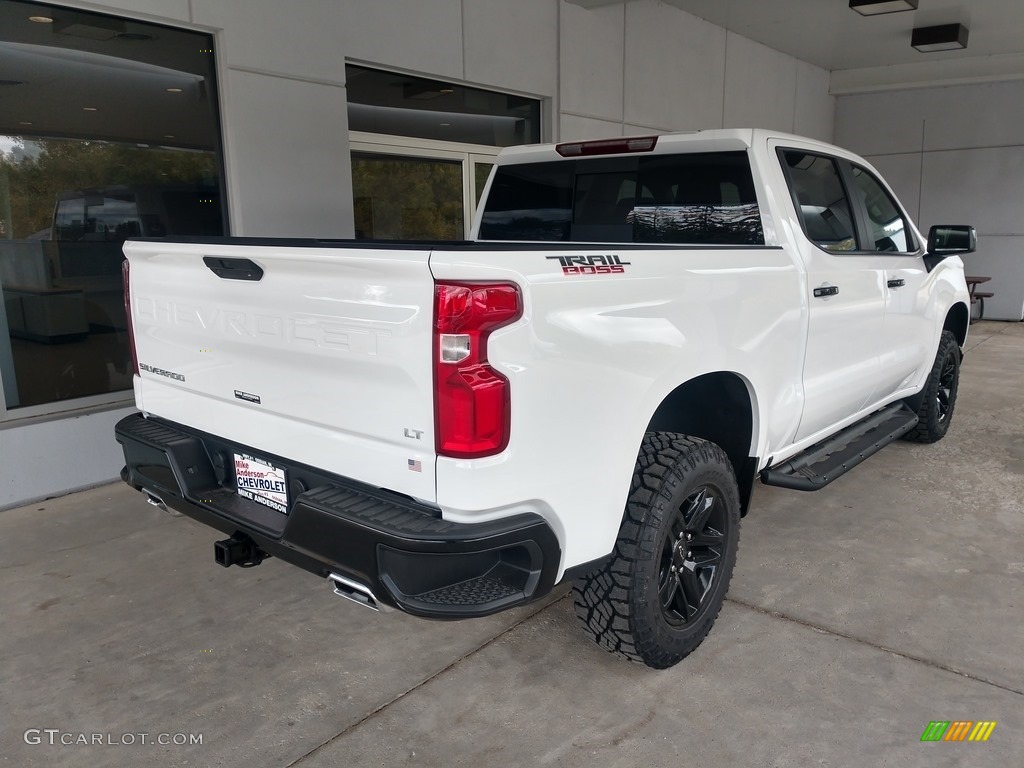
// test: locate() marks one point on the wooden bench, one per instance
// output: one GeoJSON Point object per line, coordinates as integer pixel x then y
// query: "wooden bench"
{"type": "Point", "coordinates": [978, 297]}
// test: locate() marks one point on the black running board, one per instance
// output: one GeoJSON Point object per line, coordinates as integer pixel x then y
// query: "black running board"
{"type": "Point", "coordinates": [823, 462]}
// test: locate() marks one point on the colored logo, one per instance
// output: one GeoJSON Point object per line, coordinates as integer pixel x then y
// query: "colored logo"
{"type": "Point", "coordinates": [958, 730]}
{"type": "Point", "coordinates": [591, 265]}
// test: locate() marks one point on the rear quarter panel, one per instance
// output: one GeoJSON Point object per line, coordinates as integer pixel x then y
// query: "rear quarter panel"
{"type": "Point", "coordinates": [592, 358]}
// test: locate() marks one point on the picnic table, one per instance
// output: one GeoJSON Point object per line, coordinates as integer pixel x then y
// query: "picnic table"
{"type": "Point", "coordinates": [978, 297]}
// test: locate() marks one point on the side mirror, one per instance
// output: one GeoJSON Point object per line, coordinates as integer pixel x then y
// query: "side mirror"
{"type": "Point", "coordinates": [950, 239]}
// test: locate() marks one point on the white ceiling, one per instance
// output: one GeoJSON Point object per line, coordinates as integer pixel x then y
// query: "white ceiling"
{"type": "Point", "coordinates": [868, 52]}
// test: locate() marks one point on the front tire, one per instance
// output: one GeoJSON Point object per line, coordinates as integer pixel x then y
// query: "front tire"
{"type": "Point", "coordinates": [939, 397]}
{"type": "Point", "coordinates": [659, 595]}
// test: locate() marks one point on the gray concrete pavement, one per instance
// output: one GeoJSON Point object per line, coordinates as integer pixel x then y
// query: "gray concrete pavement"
{"type": "Point", "coordinates": [857, 615]}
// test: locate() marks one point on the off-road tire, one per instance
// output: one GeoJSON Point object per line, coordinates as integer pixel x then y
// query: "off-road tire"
{"type": "Point", "coordinates": [631, 606]}
{"type": "Point", "coordinates": [939, 397]}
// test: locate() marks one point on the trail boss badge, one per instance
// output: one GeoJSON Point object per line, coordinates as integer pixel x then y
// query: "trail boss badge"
{"type": "Point", "coordinates": [591, 265]}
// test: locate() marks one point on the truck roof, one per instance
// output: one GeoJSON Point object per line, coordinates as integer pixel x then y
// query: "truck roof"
{"type": "Point", "coordinates": [715, 140]}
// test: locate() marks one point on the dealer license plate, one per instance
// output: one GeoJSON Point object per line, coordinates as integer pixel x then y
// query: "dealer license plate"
{"type": "Point", "coordinates": [262, 482]}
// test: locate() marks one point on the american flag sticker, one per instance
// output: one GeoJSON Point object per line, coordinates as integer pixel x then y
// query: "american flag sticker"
{"type": "Point", "coordinates": [415, 465]}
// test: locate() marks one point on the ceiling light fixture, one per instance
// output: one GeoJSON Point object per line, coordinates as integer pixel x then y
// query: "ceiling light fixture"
{"type": "Point", "coordinates": [945, 37]}
{"type": "Point", "coordinates": [89, 27]}
{"type": "Point", "coordinates": [24, 122]}
{"type": "Point", "coordinates": [425, 89]}
{"type": "Point", "coordinates": [174, 90]}
{"type": "Point", "coordinates": [89, 109]}
{"type": "Point", "coordinates": [878, 7]}
{"type": "Point", "coordinates": [41, 19]}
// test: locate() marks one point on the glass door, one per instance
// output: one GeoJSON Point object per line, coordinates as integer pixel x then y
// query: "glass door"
{"type": "Point", "coordinates": [407, 198]}
{"type": "Point", "coordinates": [415, 189]}
{"type": "Point", "coordinates": [481, 171]}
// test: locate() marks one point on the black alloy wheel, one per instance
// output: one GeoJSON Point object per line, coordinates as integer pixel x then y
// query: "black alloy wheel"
{"type": "Point", "coordinates": [937, 400]}
{"type": "Point", "coordinates": [691, 556]}
{"type": "Point", "coordinates": [656, 598]}
{"type": "Point", "coordinates": [948, 380]}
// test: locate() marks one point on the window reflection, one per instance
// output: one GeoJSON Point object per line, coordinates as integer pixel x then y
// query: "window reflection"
{"type": "Point", "coordinates": [111, 133]}
{"type": "Point", "coordinates": [65, 221]}
{"type": "Point", "coordinates": [690, 199]}
{"type": "Point", "coordinates": [889, 230]}
{"type": "Point", "coordinates": [403, 105]}
{"type": "Point", "coordinates": [824, 207]}
{"type": "Point", "coordinates": [407, 198]}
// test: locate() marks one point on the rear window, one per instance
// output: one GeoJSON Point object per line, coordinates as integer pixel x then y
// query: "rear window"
{"type": "Point", "coordinates": [693, 199]}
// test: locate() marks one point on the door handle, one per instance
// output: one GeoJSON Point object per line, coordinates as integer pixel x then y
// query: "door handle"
{"type": "Point", "coordinates": [234, 269]}
{"type": "Point", "coordinates": [827, 290]}
{"type": "Point", "coordinates": [897, 283]}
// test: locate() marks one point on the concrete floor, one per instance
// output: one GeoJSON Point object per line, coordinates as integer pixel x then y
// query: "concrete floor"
{"type": "Point", "coordinates": [857, 615]}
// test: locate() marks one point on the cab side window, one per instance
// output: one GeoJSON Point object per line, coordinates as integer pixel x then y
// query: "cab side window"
{"type": "Point", "coordinates": [888, 227]}
{"type": "Point", "coordinates": [821, 200]}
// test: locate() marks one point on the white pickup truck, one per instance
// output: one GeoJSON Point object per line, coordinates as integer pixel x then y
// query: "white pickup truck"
{"type": "Point", "coordinates": [640, 330]}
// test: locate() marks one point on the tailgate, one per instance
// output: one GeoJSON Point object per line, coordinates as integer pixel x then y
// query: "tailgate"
{"type": "Point", "coordinates": [325, 359]}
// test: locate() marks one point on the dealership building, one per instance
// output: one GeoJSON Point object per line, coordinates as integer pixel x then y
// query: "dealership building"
{"type": "Point", "coordinates": [381, 119]}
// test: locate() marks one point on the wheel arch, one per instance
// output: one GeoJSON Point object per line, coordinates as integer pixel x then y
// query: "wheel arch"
{"type": "Point", "coordinates": [719, 407]}
{"type": "Point", "coordinates": [957, 319]}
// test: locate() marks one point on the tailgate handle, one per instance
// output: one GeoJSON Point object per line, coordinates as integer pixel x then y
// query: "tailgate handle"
{"type": "Point", "coordinates": [234, 269]}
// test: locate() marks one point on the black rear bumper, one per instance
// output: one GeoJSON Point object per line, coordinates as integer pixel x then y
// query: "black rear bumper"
{"type": "Point", "coordinates": [399, 549]}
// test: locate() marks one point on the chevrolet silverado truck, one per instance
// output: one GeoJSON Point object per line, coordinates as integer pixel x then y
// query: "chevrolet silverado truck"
{"type": "Point", "coordinates": [640, 330]}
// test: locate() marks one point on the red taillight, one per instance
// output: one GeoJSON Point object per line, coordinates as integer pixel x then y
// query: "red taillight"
{"type": "Point", "coordinates": [128, 316]}
{"type": "Point", "coordinates": [607, 146]}
{"type": "Point", "coordinates": [471, 400]}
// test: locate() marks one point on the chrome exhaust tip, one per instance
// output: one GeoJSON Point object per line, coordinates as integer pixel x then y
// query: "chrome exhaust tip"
{"type": "Point", "coordinates": [356, 592]}
{"type": "Point", "coordinates": [154, 499]}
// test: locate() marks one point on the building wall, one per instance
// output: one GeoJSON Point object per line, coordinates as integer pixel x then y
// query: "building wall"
{"type": "Point", "coordinates": [955, 155]}
{"type": "Point", "coordinates": [46, 458]}
{"type": "Point", "coordinates": [637, 67]}
{"type": "Point", "coordinates": [647, 66]}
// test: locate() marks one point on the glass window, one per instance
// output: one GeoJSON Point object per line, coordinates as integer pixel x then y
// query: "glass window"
{"type": "Point", "coordinates": [439, 133]}
{"type": "Point", "coordinates": [112, 133]}
{"type": "Point", "coordinates": [481, 172]}
{"type": "Point", "coordinates": [889, 230]}
{"type": "Point", "coordinates": [407, 198]}
{"type": "Point", "coordinates": [821, 199]}
{"type": "Point", "coordinates": [603, 205]}
{"type": "Point", "coordinates": [403, 105]}
{"type": "Point", "coordinates": [531, 201]}
{"type": "Point", "coordinates": [705, 198]}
